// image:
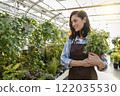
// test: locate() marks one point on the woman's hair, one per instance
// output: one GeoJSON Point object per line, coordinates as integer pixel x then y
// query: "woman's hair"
{"type": "Point", "coordinates": [86, 27]}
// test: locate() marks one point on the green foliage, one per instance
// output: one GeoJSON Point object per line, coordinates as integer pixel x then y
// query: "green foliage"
{"type": "Point", "coordinates": [53, 51]}
{"type": "Point", "coordinates": [116, 41]}
{"type": "Point", "coordinates": [111, 51]}
{"type": "Point", "coordinates": [13, 34]}
{"type": "Point", "coordinates": [119, 42]}
{"type": "Point", "coordinates": [115, 57]}
{"type": "Point", "coordinates": [50, 32]}
{"type": "Point", "coordinates": [31, 64]}
{"type": "Point", "coordinates": [53, 64]}
{"type": "Point", "coordinates": [46, 76]}
{"type": "Point", "coordinates": [97, 42]}
{"type": "Point", "coordinates": [12, 73]}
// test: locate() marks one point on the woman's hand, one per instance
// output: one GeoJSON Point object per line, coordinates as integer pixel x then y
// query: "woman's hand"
{"type": "Point", "coordinates": [86, 63]}
{"type": "Point", "coordinates": [95, 60]}
{"type": "Point", "coordinates": [92, 60]}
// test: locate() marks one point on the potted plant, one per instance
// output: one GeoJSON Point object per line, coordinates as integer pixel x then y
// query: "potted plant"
{"type": "Point", "coordinates": [115, 57]}
{"type": "Point", "coordinates": [118, 50]}
{"type": "Point", "coordinates": [119, 61]}
{"type": "Point", "coordinates": [97, 42]}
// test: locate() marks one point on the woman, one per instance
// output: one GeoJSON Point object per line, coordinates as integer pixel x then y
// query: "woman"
{"type": "Point", "coordinates": [81, 65]}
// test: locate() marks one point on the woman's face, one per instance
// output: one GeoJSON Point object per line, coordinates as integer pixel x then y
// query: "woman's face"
{"type": "Point", "coordinates": [77, 22]}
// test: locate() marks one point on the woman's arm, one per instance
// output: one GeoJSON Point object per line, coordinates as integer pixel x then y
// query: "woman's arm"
{"type": "Point", "coordinates": [66, 61]}
{"type": "Point", "coordinates": [96, 60]}
{"type": "Point", "coordinates": [83, 63]}
{"type": "Point", "coordinates": [101, 65]}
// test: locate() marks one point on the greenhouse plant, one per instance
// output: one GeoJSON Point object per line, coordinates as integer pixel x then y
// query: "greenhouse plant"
{"type": "Point", "coordinates": [35, 62]}
{"type": "Point", "coordinates": [97, 42]}
{"type": "Point", "coordinates": [115, 57]}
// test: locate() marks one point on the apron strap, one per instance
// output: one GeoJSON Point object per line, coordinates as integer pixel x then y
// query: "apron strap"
{"type": "Point", "coordinates": [73, 41]}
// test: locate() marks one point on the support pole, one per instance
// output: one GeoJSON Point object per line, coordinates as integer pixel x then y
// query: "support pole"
{"type": "Point", "coordinates": [33, 6]}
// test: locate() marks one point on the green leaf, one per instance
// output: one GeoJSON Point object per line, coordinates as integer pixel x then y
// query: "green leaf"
{"type": "Point", "coordinates": [8, 67]}
{"type": "Point", "coordinates": [16, 66]}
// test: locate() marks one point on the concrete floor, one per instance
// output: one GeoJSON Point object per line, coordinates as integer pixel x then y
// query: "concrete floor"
{"type": "Point", "coordinates": [113, 72]}
{"type": "Point", "coordinates": [110, 73]}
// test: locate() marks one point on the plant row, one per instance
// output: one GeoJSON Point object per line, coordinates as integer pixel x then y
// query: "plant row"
{"type": "Point", "coordinates": [115, 52]}
{"type": "Point", "coordinates": [29, 49]}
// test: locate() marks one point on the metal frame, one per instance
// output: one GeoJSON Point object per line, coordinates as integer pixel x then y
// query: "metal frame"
{"type": "Point", "coordinates": [112, 4]}
{"type": "Point", "coordinates": [17, 14]}
{"type": "Point", "coordinates": [43, 11]}
{"type": "Point", "coordinates": [32, 6]}
{"type": "Point", "coordinates": [36, 6]}
{"type": "Point", "coordinates": [78, 3]}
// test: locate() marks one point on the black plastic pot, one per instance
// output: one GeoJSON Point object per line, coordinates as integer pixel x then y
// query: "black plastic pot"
{"type": "Point", "coordinates": [115, 65]}
{"type": "Point", "coordinates": [119, 64]}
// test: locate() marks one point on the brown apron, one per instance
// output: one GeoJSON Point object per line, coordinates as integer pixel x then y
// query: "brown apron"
{"type": "Point", "coordinates": [80, 72]}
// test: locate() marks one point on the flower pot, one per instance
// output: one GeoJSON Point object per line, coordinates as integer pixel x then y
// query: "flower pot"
{"type": "Point", "coordinates": [100, 55]}
{"type": "Point", "coordinates": [115, 65]}
{"type": "Point", "coordinates": [119, 64]}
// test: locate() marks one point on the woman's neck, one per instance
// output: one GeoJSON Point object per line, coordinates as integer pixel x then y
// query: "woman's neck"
{"type": "Point", "coordinates": [81, 37]}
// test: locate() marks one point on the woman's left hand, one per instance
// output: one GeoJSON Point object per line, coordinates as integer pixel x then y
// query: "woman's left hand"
{"type": "Point", "coordinates": [94, 59]}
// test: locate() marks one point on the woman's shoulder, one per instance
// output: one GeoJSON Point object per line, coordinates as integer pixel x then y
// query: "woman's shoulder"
{"type": "Point", "coordinates": [86, 38]}
{"type": "Point", "coordinates": [69, 41]}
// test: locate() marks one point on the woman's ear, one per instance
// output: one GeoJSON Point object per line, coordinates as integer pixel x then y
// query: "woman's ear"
{"type": "Point", "coordinates": [84, 20]}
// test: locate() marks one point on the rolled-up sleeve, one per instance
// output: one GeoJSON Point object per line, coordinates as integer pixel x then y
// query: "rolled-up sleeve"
{"type": "Point", "coordinates": [65, 60]}
{"type": "Point", "coordinates": [105, 61]}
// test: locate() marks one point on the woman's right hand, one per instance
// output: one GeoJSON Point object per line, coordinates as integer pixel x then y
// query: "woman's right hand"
{"type": "Point", "coordinates": [86, 63]}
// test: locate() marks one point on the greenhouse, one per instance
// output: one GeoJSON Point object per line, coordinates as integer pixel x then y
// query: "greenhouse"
{"type": "Point", "coordinates": [33, 34]}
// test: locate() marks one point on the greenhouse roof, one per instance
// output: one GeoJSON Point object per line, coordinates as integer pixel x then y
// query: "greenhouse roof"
{"type": "Point", "coordinates": [102, 13]}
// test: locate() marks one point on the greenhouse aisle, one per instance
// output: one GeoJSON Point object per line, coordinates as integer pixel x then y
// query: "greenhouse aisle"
{"type": "Point", "coordinates": [109, 74]}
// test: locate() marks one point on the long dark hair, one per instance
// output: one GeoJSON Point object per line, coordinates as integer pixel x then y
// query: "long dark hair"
{"type": "Point", "coordinates": [86, 27]}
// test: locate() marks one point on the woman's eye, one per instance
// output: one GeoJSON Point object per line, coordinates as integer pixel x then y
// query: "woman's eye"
{"type": "Point", "coordinates": [75, 20]}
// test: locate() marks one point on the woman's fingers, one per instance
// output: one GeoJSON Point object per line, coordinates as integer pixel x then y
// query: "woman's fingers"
{"type": "Point", "coordinates": [92, 54]}
{"type": "Point", "coordinates": [87, 61]}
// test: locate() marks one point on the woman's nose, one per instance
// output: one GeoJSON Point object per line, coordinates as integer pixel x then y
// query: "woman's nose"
{"type": "Point", "coordinates": [73, 24]}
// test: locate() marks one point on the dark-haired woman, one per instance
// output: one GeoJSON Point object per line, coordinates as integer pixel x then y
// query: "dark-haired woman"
{"type": "Point", "coordinates": [81, 66]}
